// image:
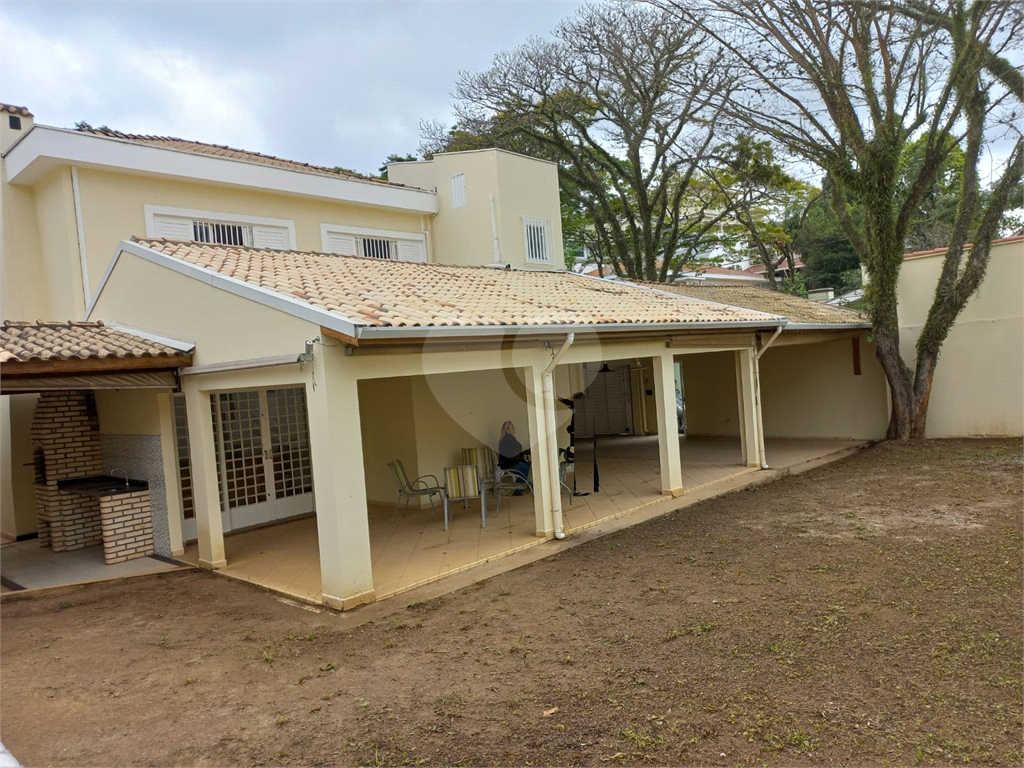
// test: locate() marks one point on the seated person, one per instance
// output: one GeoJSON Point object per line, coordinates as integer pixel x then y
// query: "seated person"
{"type": "Point", "coordinates": [511, 455]}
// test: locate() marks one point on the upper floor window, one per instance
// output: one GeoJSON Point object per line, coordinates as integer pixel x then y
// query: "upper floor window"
{"type": "Point", "coordinates": [458, 190]}
{"type": "Point", "coordinates": [373, 243]}
{"type": "Point", "coordinates": [537, 234]}
{"type": "Point", "coordinates": [222, 228]}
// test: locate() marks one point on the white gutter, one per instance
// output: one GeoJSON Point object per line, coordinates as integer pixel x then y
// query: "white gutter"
{"type": "Point", "coordinates": [240, 365]}
{"type": "Point", "coordinates": [80, 224]}
{"type": "Point", "coordinates": [548, 398]}
{"type": "Point", "coordinates": [826, 326]}
{"type": "Point", "coordinates": [422, 331]}
{"type": "Point", "coordinates": [757, 396]}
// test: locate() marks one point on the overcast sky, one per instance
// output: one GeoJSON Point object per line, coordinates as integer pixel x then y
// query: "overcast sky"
{"type": "Point", "coordinates": [342, 83]}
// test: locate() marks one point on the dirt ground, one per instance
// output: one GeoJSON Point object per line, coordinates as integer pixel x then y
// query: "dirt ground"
{"type": "Point", "coordinates": [866, 613]}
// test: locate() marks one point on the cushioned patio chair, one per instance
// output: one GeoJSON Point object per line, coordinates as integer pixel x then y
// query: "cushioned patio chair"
{"type": "Point", "coordinates": [461, 483]}
{"type": "Point", "coordinates": [486, 462]}
{"type": "Point", "coordinates": [414, 489]}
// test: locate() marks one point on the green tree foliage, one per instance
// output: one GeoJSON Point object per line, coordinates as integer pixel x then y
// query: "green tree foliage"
{"type": "Point", "coordinates": [627, 102]}
{"type": "Point", "coordinates": [851, 85]}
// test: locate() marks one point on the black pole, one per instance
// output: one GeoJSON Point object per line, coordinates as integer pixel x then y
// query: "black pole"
{"type": "Point", "coordinates": [597, 474]}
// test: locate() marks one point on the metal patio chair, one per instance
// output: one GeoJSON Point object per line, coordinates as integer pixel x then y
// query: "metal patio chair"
{"type": "Point", "coordinates": [507, 480]}
{"type": "Point", "coordinates": [414, 489]}
{"type": "Point", "coordinates": [462, 483]}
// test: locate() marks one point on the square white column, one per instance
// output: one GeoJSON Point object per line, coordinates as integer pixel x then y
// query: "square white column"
{"type": "Point", "coordinates": [540, 448]}
{"type": "Point", "coordinates": [750, 421]}
{"type": "Point", "coordinates": [668, 424]}
{"type": "Point", "coordinates": [205, 490]}
{"type": "Point", "coordinates": [339, 485]}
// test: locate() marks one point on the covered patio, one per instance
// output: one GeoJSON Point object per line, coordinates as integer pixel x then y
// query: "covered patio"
{"type": "Point", "coordinates": [412, 548]}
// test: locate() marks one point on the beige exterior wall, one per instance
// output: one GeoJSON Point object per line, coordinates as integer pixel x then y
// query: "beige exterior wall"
{"type": "Point", "coordinates": [224, 327]}
{"type": "Point", "coordinates": [979, 380]}
{"type": "Point", "coordinates": [388, 425]}
{"type": "Point", "coordinates": [522, 186]}
{"type": "Point", "coordinates": [128, 411]}
{"type": "Point", "coordinates": [25, 286]}
{"type": "Point", "coordinates": [807, 390]}
{"type": "Point", "coordinates": [810, 390]}
{"type": "Point", "coordinates": [709, 389]}
{"type": "Point", "coordinates": [113, 208]}
{"type": "Point", "coordinates": [58, 239]}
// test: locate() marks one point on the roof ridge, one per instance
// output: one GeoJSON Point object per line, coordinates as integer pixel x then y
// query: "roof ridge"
{"type": "Point", "coordinates": [296, 252]}
{"type": "Point", "coordinates": [145, 137]}
{"type": "Point", "coordinates": [51, 324]}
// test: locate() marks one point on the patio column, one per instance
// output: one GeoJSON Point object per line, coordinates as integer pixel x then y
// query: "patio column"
{"type": "Point", "coordinates": [545, 494]}
{"type": "Point", "coordinates": [168, 441]}
{"type": "Point", "coordinates": [750, 418]}
{"type": "Point", "coordinates": [205, 490]}
{"type": "Point", "coordinates": [339, 485]}
{"type": "Point", "coordinates": [668, 424]}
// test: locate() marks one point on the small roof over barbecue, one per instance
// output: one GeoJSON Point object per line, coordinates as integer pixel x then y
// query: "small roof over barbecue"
{"type": "Point", "coordinates": [374, 297]}
{"type": "Point", "coordinates": [42, 355]}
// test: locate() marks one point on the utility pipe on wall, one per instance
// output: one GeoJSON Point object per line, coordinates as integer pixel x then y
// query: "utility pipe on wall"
{"type": "Point", "coordinates": [494, 230]}
{"type": "Point", "coordinates": [76, 196]}
{"type": "Point", "coordinates": [548, 398]}
{"type": "Point", "coordinates": [757, 394]}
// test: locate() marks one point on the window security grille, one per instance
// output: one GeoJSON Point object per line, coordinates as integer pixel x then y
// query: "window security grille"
{"type": "Point", "coordinates": [535, 232]}
{"type": "Point", "coordinates": [378, 248]}
{"type": "Point", "coordinates": [225, 234]}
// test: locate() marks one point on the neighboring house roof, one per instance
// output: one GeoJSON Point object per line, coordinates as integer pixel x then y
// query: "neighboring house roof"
{"type": "Point", "coordinates": [23, 111]}
{"type": "Point", "coordinates": [23, 342]}
{"type": "Point", "coordinates": [220, 150]}
{"type": "Point", "coordinates": [798, 310]}
{"type": "Point", "coordinates": [378, 294]}
{"type": "Point", "coordinates": [934, 251]}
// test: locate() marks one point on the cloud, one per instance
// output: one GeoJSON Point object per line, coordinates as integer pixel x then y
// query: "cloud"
{"type": "Point", "coordinates": [106, 78]}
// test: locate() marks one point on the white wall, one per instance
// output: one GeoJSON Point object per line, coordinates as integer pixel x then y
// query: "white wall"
{"type": "Point", "coordinates": [979, 380]}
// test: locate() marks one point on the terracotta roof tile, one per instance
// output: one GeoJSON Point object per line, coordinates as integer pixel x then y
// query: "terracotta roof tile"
{"type": "Point", "coordinates": [21, 341]}
{"type": "Point", "coordinates": [796, 308]}
{"type": "Point", "coordinates": [382, 293]}
{"type": "Point", "coordinates": [231, 153]}
{"type": "Point", "coordinates": [23, 111]}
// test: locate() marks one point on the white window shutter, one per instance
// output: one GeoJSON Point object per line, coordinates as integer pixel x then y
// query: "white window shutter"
{"type": "Point", "coordinates": [411, 250]}
{"type": "Point", "coordinates": [340, 243]}
{"type": "Point", "coordinates": [271, 237]}
{"type": "Point", "coordinates": [458, 190]}
{"type": "Point", "coordinates": [172, 227]}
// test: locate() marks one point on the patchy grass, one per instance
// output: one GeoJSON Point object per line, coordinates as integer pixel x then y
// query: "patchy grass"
{"type": "Point", "coordinates": [866, 613]}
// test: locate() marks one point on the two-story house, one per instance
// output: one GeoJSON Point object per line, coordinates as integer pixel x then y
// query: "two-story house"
{"type": "Point", "coordinates": [274, 335]}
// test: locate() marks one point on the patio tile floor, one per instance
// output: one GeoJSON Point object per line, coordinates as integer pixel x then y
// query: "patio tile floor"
{"type": "Point", "coordinates": [412, 547]}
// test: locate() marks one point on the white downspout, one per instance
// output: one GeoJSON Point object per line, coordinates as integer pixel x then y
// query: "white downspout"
{"type": "Point", "coordinates": [80, 224]}
{"type": "Point", "coordinates": [757, 395]}
{"type": "Point", "coordinates": [494, 230]}
{"type": "Point", "coordinates": [548, 398]}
